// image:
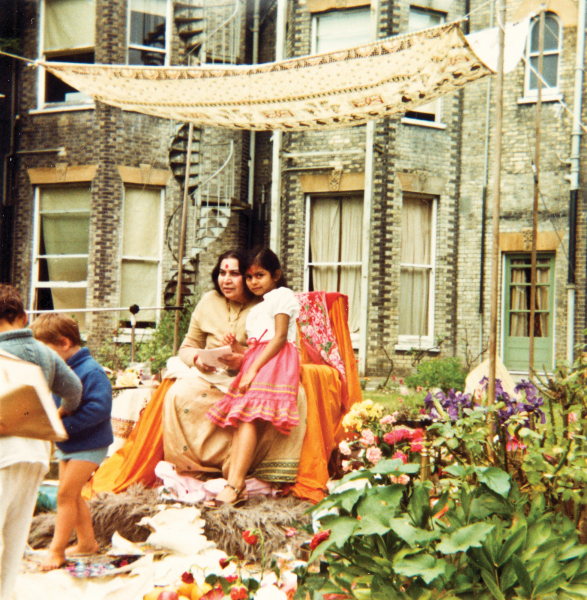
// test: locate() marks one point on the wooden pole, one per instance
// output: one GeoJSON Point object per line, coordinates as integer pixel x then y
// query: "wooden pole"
{"type": "Point", "coordinates": [184, 218]}
{"type": "Point", "coordinates": [536, 191]}
{"type": "Point", "coordinates": [495, 221]}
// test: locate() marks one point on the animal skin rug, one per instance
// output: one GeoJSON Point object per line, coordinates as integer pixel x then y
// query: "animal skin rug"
{"type": "Point", "coordinates": [224, 525]}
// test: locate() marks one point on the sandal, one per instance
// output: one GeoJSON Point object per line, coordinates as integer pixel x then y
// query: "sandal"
{"type": "Point", "coordinates": [240, 500]}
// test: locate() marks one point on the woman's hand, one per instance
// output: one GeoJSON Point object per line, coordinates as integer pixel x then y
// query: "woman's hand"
{"type": "Point", "coordinates": [229, 339]}
{"type": "Point", "coordinates": [247, 379]}
{"type": "Point", "coordinates": [233, 361]}
{"type": "Point", "coordinates": [202, 367]}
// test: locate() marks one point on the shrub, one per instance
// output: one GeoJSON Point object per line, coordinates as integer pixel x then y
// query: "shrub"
{"type": "Point", "coordinates": [444, 373]}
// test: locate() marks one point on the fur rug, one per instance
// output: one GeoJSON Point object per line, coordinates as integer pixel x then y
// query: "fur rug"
{"type": "Point", "coordinates": [224, 525]}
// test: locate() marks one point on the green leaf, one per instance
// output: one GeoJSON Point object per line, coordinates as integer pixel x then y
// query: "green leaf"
{"type": "Point", "coordinates": [495, 479]}
{"type": "Point", "coordinates": [512, 543]}
{"type": "Point", "coordinates": [389, 466]}
{"type": "Point", "coordinates": [341, 529]}
{"type": "Point", "coordinates": [410, 534]}
{"type": "Point", "coordinates": [470, 536]}
{"type": "Point", "coordinates": [420, 565]}
{"type": "Point", "coordinates": [373, 524]}
{"type": "Point", "coordinates": [575, 591]}
{"type": "Point", "coordinates": [492, 585]}
{"type": "Point", "coordinates": [456, 470]}
{"type": "Point", "coordinates": [523, 575]}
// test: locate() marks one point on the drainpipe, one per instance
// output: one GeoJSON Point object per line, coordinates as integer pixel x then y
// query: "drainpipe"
{"type": "Point", "coordinates": [574, 179]}
{"type": "Point", "coordinates": [275, 231]}
{"type": "Point", "coordinates": [367, 202]}
{"type": "Point", "coordinates": [253, 137]}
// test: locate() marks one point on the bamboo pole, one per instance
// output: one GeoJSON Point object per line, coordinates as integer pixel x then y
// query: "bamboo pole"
{"type": "Point", "coordinates": [536, 169]}
{"type": "Point", "coordinates": [184, 218]}
{"type": "Point", "coordinates": [495, 221]}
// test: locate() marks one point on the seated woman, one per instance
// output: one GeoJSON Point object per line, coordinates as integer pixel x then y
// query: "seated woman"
{"type": "Point", "coordinates": [192, 442]}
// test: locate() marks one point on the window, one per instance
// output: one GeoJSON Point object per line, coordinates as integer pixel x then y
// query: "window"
{"type": "Point", "coordinates": [341, 29]}
{"type": "Point", "coordinates": [430, 113]}
{"type": "Point", "coordinates": [333, 249]}
{"type": "Point", "coordinates": [142, 247]}
{"type": "Point", "coordinates": [148, 34]}
{"type": "Point", "coordinates": [518, 274]}
{"type": "Point", "coordinates": [551, 57]}
{"type": "Point", "coordinates": [417, 272]}
{"type": "Point", "coordinates": [67, 35]}
{"type": "Point", "coordinates": [61, 249]}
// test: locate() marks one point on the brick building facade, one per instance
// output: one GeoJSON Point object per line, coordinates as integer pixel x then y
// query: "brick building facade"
{"type": "Point", "coordinates": [392, 216]}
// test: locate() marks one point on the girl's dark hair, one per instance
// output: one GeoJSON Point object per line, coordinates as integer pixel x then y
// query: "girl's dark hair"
{"type": "Point", "coordinates": [241, 256]}
{"type": "Point", "coordinates": [267, 259]}
{"type": "Point", "coordinates": [11, 304]}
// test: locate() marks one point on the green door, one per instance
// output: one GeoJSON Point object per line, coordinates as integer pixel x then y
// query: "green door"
{"type": "Point", "coordinates": [517, 312]}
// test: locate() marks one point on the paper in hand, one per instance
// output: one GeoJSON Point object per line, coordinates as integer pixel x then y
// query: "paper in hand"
{"type": "Point", "coordinates": [210, 357]}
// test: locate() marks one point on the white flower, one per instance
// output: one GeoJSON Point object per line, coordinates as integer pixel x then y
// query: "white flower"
{"type": "Point", "coordinates": [344, 448]}
{"type": "Point", "coordinates": [270, 593]}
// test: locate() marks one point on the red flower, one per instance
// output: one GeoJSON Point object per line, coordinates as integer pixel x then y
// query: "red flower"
{"type": "Point", "coordinates": [187, 577]}
{"type": "Point", "coordinates": [224, 562]}
{"type": "Point", "coordinates": [239, 593]}
{"type": "Point", "coordinates": [403, 433]}
{"type": "Point", "coordinates": [250, 537]}
{"type": "Point", "coordinates": [320, 537]}
{"type": "Point", "coordinates": [231, 578]}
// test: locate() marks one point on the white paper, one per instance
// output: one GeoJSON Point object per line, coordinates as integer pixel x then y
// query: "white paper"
{"type": "Point", "coordinates": [210, 357]}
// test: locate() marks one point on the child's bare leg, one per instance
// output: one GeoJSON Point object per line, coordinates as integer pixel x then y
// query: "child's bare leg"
{"type": "Point", "coordinates": [86, 541]}
{"type": "Point", "coordinates": [73, 475]}
{"type": "Point", "coordinates": [244, 444]}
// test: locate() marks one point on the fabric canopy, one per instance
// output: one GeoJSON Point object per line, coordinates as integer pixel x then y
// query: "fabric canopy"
{"type": "Point", "coordinates": [336, 89]}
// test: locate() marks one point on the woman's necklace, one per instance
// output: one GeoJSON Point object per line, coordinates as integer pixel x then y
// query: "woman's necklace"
{"type": "Point", "coordinates": [232, 322]}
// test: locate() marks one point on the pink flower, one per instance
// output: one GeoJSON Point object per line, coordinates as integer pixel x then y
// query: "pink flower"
{"type": "Point", "coordinates": [401, 455]}
{"type": "Point", "coordinates": [419, 388]}
{"type": "Point", "coordinates": [572, 417]}
{"type": "Point", "coordinates": [399, 434]}
{"type": "Point", "coordinates": [344, 448]}
{"type": "Point", "coordinates": [403, 479]}
{"type": "Point", "coordinates": [416, 446]}
{"type": "Point", "coordinates": [367, 438]}
{"type": "Point", "coordinates": [290, 532]}
{"type": "Point", "coordinates": [514, 445]}
{"type": "Point", "coordinates": [374, 455]}
{"type": "Point", "coordinates": [346, 465]}
{"type": "Point", "coordinates": [401, 381]}
{"type": "Point", "coordinates": [387, 420]}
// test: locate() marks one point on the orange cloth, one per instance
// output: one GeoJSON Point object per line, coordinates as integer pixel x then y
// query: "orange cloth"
{"type": "Point", "coordinates": [325, 411]}
{"type": "Point", "coordinates": [136, 460]}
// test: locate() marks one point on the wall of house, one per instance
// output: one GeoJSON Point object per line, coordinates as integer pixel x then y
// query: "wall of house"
{"type": "Point", "coordinates": [109, 138]}
{"type": "Point", "coordinates": [517, 191]}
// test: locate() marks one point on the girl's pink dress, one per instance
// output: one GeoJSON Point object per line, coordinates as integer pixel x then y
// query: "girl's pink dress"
{"type": "Point", "coordinates": [273, 393]}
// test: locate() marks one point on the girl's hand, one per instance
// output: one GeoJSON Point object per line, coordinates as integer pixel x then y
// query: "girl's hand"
{"type": "Point", "coordinates": [229, 339]}
{"type": "Point", "coordinates": [62, 413]}
{"type": "Point", "coordinates": [247, 379]}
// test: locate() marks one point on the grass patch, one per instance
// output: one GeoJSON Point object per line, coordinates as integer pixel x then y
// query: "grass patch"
{"type": "Point", "coordinates": [392, 400]}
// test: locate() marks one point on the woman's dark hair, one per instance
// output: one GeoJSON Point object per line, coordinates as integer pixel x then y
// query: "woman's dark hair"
{"type": "Point", "coordinates": [242, 268]}
{"type": "Point", "coordinates": [11, 304]}
{"type": "Point", "coordinates": [267, 259]}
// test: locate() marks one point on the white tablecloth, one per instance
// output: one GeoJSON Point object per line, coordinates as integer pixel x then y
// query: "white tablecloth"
{"type": "Point", "coordinates": [127, 406]}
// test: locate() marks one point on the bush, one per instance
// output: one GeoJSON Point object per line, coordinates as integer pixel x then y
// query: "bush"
{"type": "Point", "coordinates": [444, 373]}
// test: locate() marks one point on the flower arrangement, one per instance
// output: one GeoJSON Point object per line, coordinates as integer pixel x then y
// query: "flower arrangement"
{"type": "Point", "coordinates": [376, 436]}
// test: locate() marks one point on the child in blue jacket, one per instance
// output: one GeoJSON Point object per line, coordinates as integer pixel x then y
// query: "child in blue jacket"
{"type": "Point", "coordinates": [90, 433]}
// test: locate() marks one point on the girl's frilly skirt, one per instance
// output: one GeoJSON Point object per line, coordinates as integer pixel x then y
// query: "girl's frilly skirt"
{"type": "Point", "coordinates": [271, 397]}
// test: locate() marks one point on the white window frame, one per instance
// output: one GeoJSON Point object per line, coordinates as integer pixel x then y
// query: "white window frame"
{"type": "Point", "coordinates": [437, 122]}
{"type": "Point", "coordinates": [548, 93]}
{"type": "Point", "coordinates": [355, 337]}
{"type": "Point", "coordinates": [425, 342]}
{"type": "Point", "coordinates": [317, 16]}
{"type": "Point", "coordinates": [168, 33]}
{"type": "Point", "coordinates": [82, 102]}
{"type": "Point", "coordinates": [125, 332]}
{"type": "Point", "coordinates": [37, 257]}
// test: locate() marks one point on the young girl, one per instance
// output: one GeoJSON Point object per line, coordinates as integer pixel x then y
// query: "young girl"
{"type": "Point", "coordinates": [266, 388]}
{"type": "Point", "coordinates": [90, 433]}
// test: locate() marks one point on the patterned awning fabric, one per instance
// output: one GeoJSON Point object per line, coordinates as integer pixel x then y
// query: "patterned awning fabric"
{"type": "Point", "coordinates": [337, 89]}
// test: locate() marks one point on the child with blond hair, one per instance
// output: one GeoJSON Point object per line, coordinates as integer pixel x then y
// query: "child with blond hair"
{"type": "Point", "coordinates": [90, 433]}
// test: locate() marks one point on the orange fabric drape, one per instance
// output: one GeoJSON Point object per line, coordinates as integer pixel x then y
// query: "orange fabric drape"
{"type": "Point", "coordinates": [136, 461]}
{"type": "Point", "coordinates": [325, 411]}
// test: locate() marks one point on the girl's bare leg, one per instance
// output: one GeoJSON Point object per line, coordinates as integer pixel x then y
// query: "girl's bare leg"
{"type": "Point", "coordinates": [86, 541]}
{"type": "Point", "coordinates": [73, 475]}
{"type": "Point", "coordinates": [244, 444]}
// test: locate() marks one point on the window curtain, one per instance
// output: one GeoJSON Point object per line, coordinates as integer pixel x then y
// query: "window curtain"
{"type": "Point", "coordinates": [69, 24]}
{"type": "Point", "coordinates": [140, 249]}
{"type": "Point", "coordinates": [542, 293]}
{"type": "Point", "coordinates": [416, 267]}
{"type": "Point", "coordinates": [335, 236]}
{"type": "Point", "coordinates": [518, 301]}
{"type": "Point", "coordinates": [343, 29]}
{"type": "Point", "coordinates": [520, 293]}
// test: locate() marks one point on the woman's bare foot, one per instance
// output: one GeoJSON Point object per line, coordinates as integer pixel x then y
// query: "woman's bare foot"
{"type": "Point", "coordinates": [83, 550]}
{"type": "Point", "coordinates": [53, 560]}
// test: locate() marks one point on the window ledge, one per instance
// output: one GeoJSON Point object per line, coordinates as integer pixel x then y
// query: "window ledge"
{"type": "Point", "coordinates": [422, 123]}
{"type": "Point", "coordinates": [552, 97]}
{"type": "Point", "coordinates": [421, 347]}
{"type": "Point", "coordinates": [141, 335]}
{"type": "Point", "coordinates": [61, 108]}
